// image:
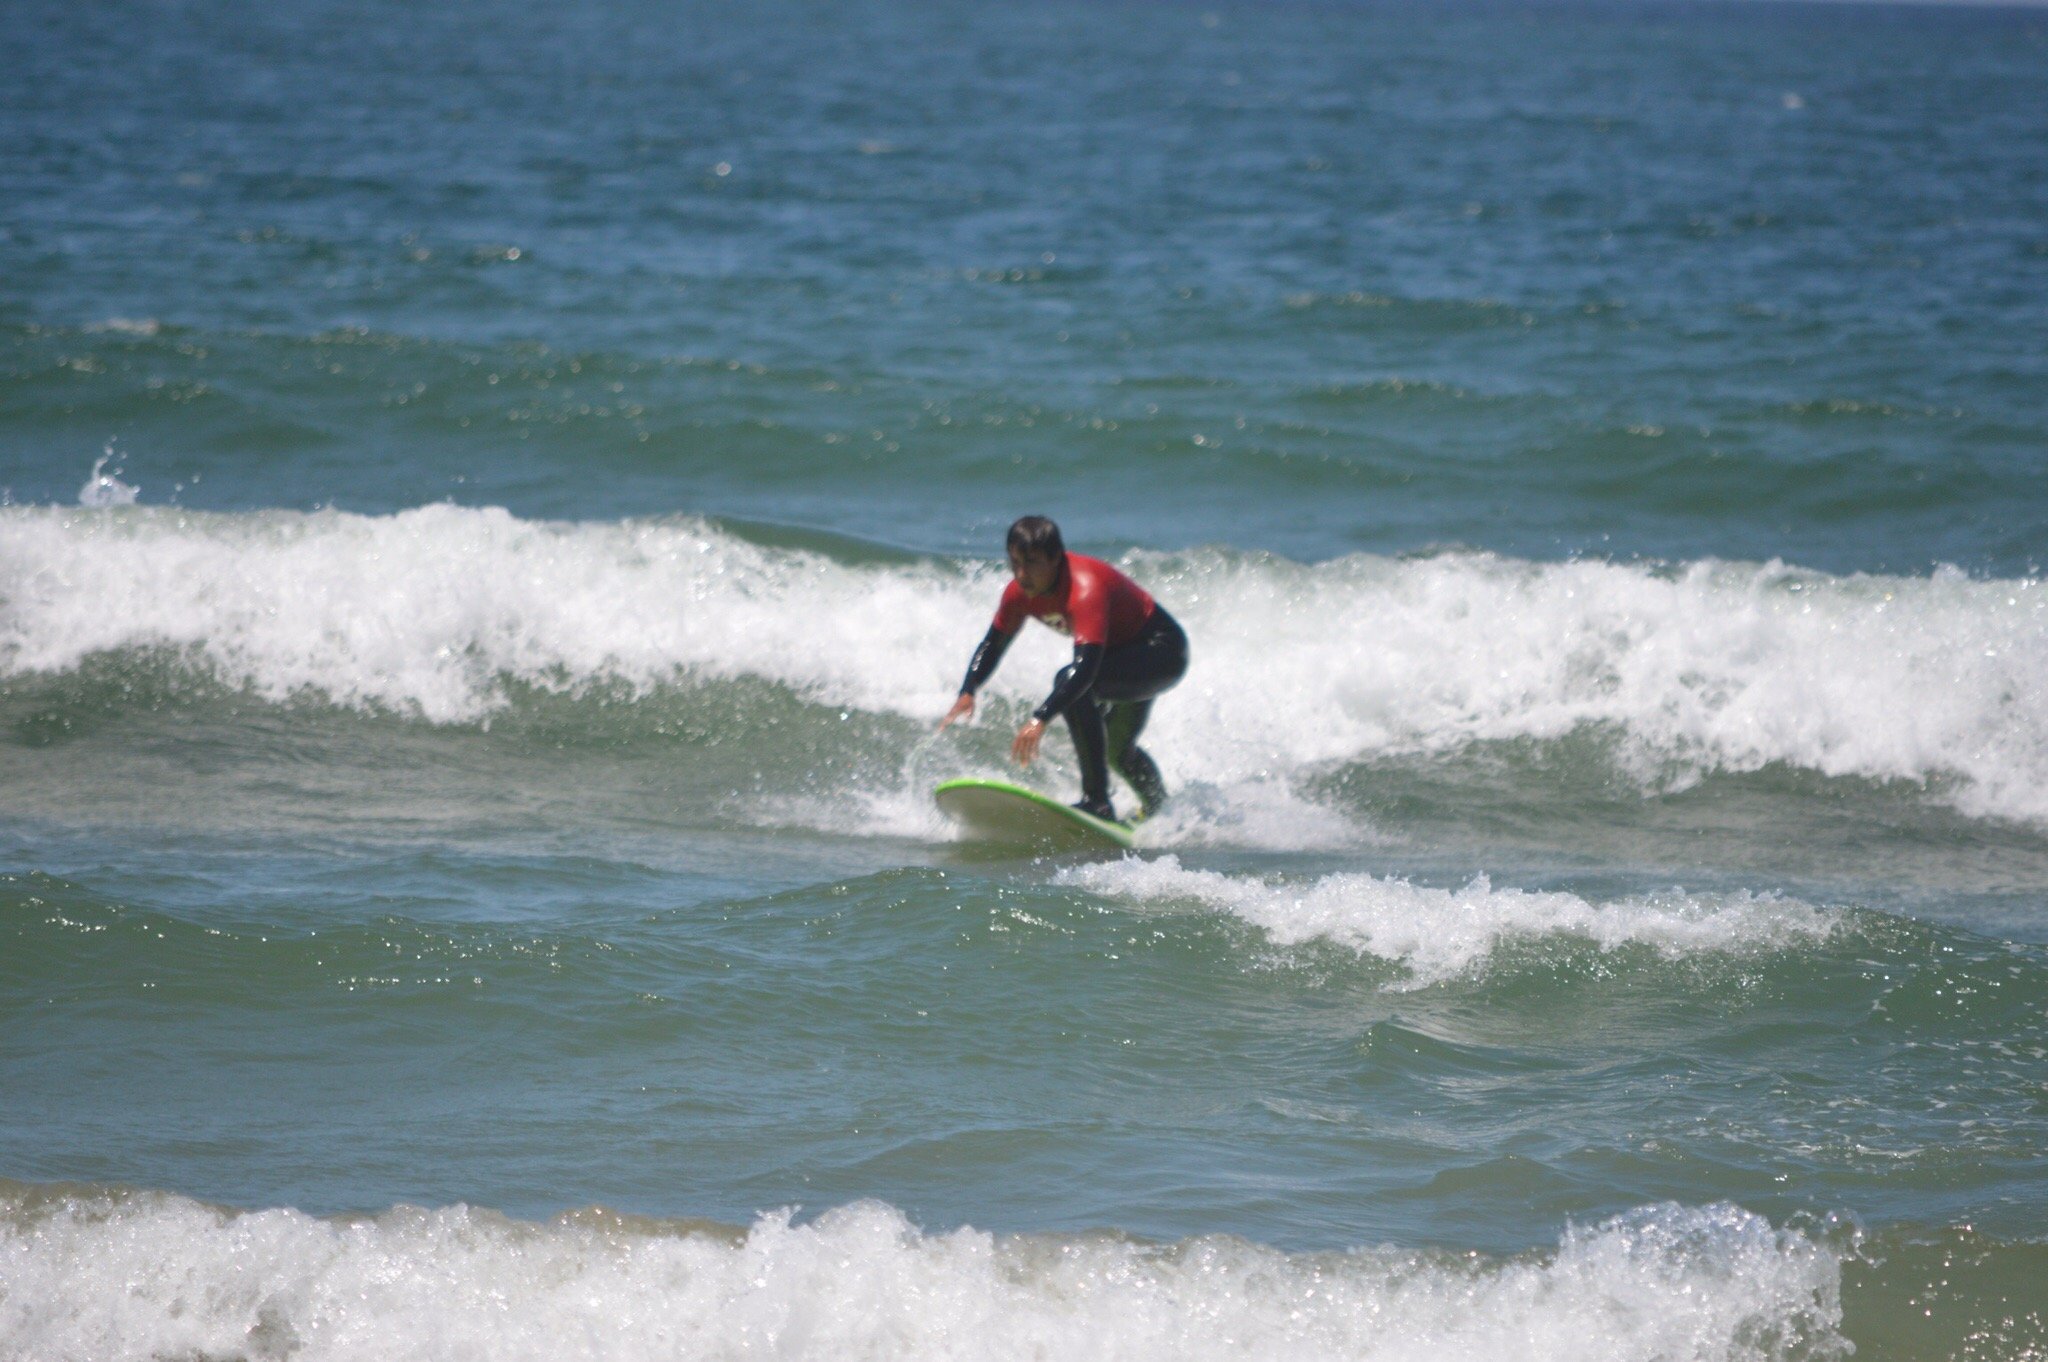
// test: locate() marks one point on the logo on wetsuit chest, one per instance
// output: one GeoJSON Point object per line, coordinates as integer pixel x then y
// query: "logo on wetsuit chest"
{"type": "Point", "coordinates": [1057, 622]}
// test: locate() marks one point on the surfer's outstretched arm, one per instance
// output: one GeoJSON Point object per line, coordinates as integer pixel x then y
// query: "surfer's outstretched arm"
{"type": "Point", "coordinates": [980, 668]}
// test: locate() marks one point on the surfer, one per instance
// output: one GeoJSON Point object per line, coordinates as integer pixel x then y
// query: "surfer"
{"type": "Point", "coordinates": [1127, 652]}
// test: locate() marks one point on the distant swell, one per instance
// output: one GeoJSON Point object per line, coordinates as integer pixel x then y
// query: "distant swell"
{"type": "Point", "coordinates": [444, 612]}
{"type": "Point", "coordinates": [104, 1276]}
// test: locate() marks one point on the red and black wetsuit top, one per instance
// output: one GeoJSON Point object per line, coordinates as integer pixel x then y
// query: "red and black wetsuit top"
{"type": "Point", "coordinates": [1092, 602]}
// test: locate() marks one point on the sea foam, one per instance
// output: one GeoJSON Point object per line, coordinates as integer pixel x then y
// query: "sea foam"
{"type": "Point", "coordinates": [433, 611]}
{"type": "Point", "coordinates": [443, 612]}
{"type": "Point", "coordinates": [1707, 667]}
{"type": "Point", "coordinates": [1438, 934]}
{"type": "Point", "coordinates": [142, 1275]}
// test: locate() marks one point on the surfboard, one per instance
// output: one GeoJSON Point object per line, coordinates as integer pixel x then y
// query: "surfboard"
{"type": "Point", "coordinates": [997, 811]}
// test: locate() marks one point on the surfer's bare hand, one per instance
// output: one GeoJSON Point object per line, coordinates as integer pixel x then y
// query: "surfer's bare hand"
{"type": "Point", "coordinates": [1025, 749]}
{"type": "Point", "coordinates": [962, 707]}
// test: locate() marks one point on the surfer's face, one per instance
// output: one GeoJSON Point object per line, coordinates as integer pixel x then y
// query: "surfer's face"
{"type": "Point", "coordinates": [1036, 573]}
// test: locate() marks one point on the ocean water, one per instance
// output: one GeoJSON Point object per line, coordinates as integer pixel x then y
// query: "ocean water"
{"type": "Point", "coordinates": [498, 495]}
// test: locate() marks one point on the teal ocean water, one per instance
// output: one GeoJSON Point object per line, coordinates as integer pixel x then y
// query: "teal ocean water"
{"type": "Point", "coordinates": [497, 497]}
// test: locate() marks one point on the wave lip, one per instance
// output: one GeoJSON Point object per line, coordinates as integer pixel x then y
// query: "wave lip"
{"type": "Point", "coordinates": [1705, 667]}
{"type": "Point", "coordinates": [433, 611]}
{"type": "Point", "coordinates": [1441, 934]}
{"type": "Point", "coordinates": [135, 1275]}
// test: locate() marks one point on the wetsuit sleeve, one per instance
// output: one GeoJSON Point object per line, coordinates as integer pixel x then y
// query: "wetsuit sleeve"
{"type": "Point", "coordinates": [990, 651]}
{"type": "Point", "coordinates": [1073, 681]}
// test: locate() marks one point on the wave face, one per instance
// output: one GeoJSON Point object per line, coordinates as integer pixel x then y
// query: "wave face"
{"type": "Point", "coordinates": [451, 616]}
{"type": "Point", "coordinates": [105, 1276]}
{"type": "Point", "coordinates": [1468, 1067]}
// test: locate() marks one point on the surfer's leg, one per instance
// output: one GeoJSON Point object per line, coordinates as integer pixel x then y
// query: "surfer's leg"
{"type": "Point", "coordinates": [1084, 723]}
{"type": "Point", "coordinates": [1126, 721]}
{"type": "Point", "coordinates": [1132, 676]}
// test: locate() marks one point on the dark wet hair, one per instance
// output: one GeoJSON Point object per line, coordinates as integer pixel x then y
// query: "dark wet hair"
{"type": "Point", "coordinates": [1033, 536]}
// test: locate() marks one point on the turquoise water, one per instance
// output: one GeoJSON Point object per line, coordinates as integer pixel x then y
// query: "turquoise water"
{"type": "Point", "coordinates": [497, 499]}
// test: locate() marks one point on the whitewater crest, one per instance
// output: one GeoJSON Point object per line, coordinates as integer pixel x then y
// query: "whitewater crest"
{"type": "Point", "coordinates": [140, 1275]}
{"type": "Point", "coordinates": [1439, 934]}
{"type": "Point", "coordinates": [447, 613]}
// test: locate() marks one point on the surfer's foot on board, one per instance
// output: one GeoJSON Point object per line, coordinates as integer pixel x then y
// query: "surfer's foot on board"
{"type": "Point", "coordinates": [1099, 808]}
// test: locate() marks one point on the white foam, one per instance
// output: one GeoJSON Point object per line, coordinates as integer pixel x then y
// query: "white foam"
{"type": "Point", "coordinates": [1714, 667]}
{"type": "Point", "coordinates": [103, 489]}
{"type": "Point", "coordinates": [147, 1276]}
{"type": "Point", "coordinates": [128, 326]}
{"type": "Point", "coordinates": [1260, 810]}
{"type": "Point", "coordinates": [1438, 934]}
{"type": "Point", "coordinates": [433, 611]}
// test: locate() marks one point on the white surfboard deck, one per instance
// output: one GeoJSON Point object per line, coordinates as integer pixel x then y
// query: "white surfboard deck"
{"type": "Point", "coordinates": [997, 811]}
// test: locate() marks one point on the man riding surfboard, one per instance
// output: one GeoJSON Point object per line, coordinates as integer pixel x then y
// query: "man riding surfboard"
{"type": "Point", "coordinates": [1127, 652]}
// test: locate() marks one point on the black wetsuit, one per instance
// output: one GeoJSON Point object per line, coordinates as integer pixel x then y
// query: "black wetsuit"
{"type": "Point", "coordinates": [1106, 695]}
